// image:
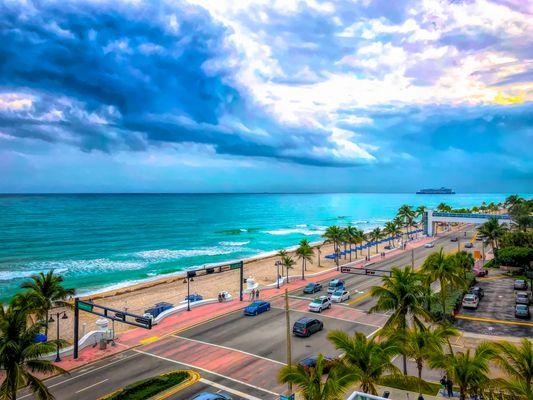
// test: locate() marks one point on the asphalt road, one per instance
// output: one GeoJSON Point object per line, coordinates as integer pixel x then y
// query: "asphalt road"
{"type": "Point", "coordinates": [244, 350]}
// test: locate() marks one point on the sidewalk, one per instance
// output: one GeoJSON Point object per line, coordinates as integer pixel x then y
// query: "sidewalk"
{"type": "Point", "coordinates": [187, 319]}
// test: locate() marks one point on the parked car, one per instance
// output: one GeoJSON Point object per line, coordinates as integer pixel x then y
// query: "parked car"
{"type": "Point", "coordinates": [154, 311]}
{"type": "Point", "coordinates": [310, 362]}
{"type": "Point", "coordinates": [313, 288]}
{"type": "Point", "coordinates": [521, 311]}
{"type": "Point", "coordinates": [334, 285]}
{"type": "Point", "coordinates": [257, 307]}
{"type": "Point", "coordinates": [429, 245]}
{"type": "Point", "coordinates": [212, 396]}
{"type": "Point", "coordinates": [520, 284]}
{"type": "Point", "coordinates": [523, 298]}
{"type": "Point", "coordinates": [480, 273]}
{"type": "Point", "coordinates": [470, 301]}
{"type": "Point", "coordinates": [194, 297]}
{"type": "Point", "coordinates": [477, 291]}
{"type": "Point", "coordinates": [469, 245]}
{"type": "Point", "coordinates": [319, 304]}
{"type": "Point", "coordinates": [454, 239]}
{"type": "Point", "coordinates": [340, 295]}
{"type": "Point", "coordinates": [305, 327]}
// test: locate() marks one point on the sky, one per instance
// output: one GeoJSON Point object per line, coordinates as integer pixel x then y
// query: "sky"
{"type": "Point", "coordinates": [266, 96]}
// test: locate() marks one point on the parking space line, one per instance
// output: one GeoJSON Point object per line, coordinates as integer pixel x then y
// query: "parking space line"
{"type": "Point", "coordinates": [494, 321]}
{"type": "Point", "coordinates": [207, 371]}
{"type": "Point", "coordinates": [228, 348]}
{"type": "Point", "coordinates": [228, 389]}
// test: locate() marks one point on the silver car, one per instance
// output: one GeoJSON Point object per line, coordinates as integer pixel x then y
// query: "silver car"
{"type": "Point", "coordinates": [523, 298]}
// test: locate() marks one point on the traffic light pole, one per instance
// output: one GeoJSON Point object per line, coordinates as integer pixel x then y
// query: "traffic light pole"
{"type": "Point", "coordinates": [76, 323]}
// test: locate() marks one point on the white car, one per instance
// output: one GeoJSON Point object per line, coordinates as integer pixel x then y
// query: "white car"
{"type": "Point", "coordinates": [429, 245]}
{"type": "Point", "coordinates": [470, 301]}
{"type": "Point", "coordinates": [319, 304]}
{"type": "Point", "coordinates": [340, 295]}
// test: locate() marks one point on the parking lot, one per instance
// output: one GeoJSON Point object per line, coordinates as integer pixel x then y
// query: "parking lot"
{"type": "Point", "coordinates": [497, 305]}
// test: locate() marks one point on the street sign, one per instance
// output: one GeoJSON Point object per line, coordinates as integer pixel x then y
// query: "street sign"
{"type": "Point", "coordinates": [235, 265]}
{"type": "Point", "coordinates": [364, 271]}
{"type": "Point", "coordinates": [85, 306]}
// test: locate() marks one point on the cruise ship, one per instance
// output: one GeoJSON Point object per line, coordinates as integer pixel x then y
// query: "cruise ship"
{"type": "Point", "coordinates": [442, 190]}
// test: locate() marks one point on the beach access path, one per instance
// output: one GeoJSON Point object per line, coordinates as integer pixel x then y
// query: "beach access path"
{"type": "Point", "coordinates": [233, 353]}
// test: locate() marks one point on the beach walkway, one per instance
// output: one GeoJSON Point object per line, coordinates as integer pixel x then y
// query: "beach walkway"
{"type": "Point", "coordinates": [200, 315]}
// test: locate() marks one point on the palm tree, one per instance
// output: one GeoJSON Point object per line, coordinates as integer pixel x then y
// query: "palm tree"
{"type": "Point", "coordinates": [439, 267]}
{"type": "Point", "coordinates": [392, 229]}
{"type": "Point", "coordinates": [368, 359]}
{"type": "Point", "coordinates": [443, 207]}
{"type": "Point", "coordinates": [464, 262]}
{"type": "Point", "coordinates": [406, 215]}
{"type": "Point", "coordinates": [517, 362]}
{"type": "Point", "coordinates": [420, 210]}
{"type": "Point", "coordinates": [401, 293]}
{"type": "Point", "coordinates": [512, 200]}
{"type": "Point", "coordinates": [312, 384]}
{"type": "Point", "coordinates": [46, 291]}
{"type": "Point", "coordinates": [21, 356]}
{"type": "Point", "coordinates": [351, 233]}
{"type": "Point", "coordinates": [334, 235]}
{"type": "Point", "coordinates": [420, 343]}
{"type": "Point", "coordinates": [375, 235]}
{"type": "Point", "coordinates": [466, 369]}
{"type": "Point", "coordinates": [493, 231]}
{"type": "Point", "coordinates": [305, 253]}
{"type": "Point", "coordinates": [288, 262]}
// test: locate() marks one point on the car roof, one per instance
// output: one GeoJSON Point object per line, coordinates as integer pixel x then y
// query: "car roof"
{"type": "Point", "coordinates": [522, 306]}
{"type": "Point", "coordinates": [305, 320]}
{"type": "Point", "coordinates": [522, 294]}
{"type": "Point", "coordinates": [469, 295]}
{"type": "Point", "coordinates": [519, 280]}
{"type": "Point", "coordinates": [206, 396]}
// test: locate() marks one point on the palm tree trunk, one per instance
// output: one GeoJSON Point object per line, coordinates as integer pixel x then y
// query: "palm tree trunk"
{"type": "Point", "coordinates": [46, 326]}
{"type": "Point", "coordinates": [443, 297]}
{"type": "Point", "coordinates": [419, 366]}
{"type": "Point", "coordinates": [303, 266]}
{"type": "Point", "coordinates": [350, 252]}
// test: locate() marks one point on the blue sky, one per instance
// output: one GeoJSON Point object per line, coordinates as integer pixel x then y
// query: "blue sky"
{"type": "Point", "coordinates": [266, 96]}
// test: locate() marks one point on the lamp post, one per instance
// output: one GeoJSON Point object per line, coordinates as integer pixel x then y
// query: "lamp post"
{"type": "Point", "coordinates": [278, 264]}
{"type": "Point", "coordinates": [63, 315]}
{"type": "Point", "coordinates": [188, 279]}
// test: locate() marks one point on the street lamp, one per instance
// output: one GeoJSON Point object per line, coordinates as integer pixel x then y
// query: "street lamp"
{"type": "Point", "coordinates": [278, 264]}
{"type": "Point", "coordinates": [63, 315]}
{"type": "Point", "coordinates": [189, 278]}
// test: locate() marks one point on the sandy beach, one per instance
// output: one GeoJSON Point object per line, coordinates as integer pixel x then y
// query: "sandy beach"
{"type": "Point", "coordinates": [137, 298]}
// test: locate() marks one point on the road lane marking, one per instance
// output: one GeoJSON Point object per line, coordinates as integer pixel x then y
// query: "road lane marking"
{"type": "Point", "coordinates": [207, 371]}
{"type": "Point", "coordinates": [93, 385]}
{"type": "Point", "coordinates": [228, 389]}
{"type": "Point", "coordinates": [492, 278]}
{"type": "Point", "coordinates": [291, 296]}
{"type": "Point", "coordinates": [359, 298]}
{"type": "Point", "coordinates": [331, 316]}
{"type": "Point", "coordinates": [494, 321]}
{"type": "Point", "coordinates": [150, 339]}
{"type": "Point", "coordinates": [229, 348]}
{"type": "Point", "coordinates": [84, 373]}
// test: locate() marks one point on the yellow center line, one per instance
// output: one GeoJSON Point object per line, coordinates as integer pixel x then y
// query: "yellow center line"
{"type": "Point", "coordinates": [494, 321]}
{"type": "Point", "coordinates": [473, 238]}
{"type": "Point", "coordinates": [359, 298]}
{"type": "Point", "coordinates": [149, 340]}
{"type": "Point", "coordinates": [491, 278]}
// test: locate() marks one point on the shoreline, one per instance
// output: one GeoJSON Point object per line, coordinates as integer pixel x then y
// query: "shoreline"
{"type": "Point", "coordinates": [149, 282]}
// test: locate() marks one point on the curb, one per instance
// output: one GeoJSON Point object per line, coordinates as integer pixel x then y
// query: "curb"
{"type": "Point", "coordinates": [194, 377]}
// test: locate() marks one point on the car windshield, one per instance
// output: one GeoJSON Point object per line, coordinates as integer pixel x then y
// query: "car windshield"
{"type": "Point", "coordinates": [255, 304]}
{"type": "Point", "coordinates": [521, 307]}
{"type": "Point", "coordinates": [337, 293]}
{"type": "Point", "coordinates": [310, 285]}
{"type": "Point", "coordinates": [470, 298]}
{"type": "Point", "coordinates": [318, 300]}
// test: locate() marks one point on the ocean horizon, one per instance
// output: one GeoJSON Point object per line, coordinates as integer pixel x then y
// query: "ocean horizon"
{"type": "Point", "coordinates": [111, 240]}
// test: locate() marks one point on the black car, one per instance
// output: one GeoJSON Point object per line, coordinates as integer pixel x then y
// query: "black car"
{"type": "Point", "coordinates": [313, 288]}
{"type": "Point", "coordinates": [305, 326]}
{"type": "Point", "coordinates": [469, 245]}
{"type": "Point", "coordinates": [454, 239]}
{"type": "Point", "coordinates": [310, 362]}
{"type": "Point", "coordinates": [477, 291]}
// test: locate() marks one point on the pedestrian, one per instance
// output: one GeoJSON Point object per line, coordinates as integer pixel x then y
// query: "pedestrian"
{"type": "Point", "coordinates": [253, 294]}
{"type": "Point", "coordinates": [443, 382]}
{"type": "Point", "coordinates": [449, 386]}
{"type": "Point", "coordinates": [257, 293]}
{"type": "Point", "coordinates": [250, 295]}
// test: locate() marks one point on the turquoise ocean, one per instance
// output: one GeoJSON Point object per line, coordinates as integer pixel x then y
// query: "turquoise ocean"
{"type": "Point", "coordinates": [99, 241]}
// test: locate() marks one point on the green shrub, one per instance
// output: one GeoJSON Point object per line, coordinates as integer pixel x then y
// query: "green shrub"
{"type": "Point", "coordinates": [409, 383]}
{"type": "Point", "coordinates": [515, 256]}
{"type": "Point", "coordinates": [491, 264]}
{"type": "Point", "coordinates": [517, 239]}
{"type": "Point", "coordinates": [150, 387]}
